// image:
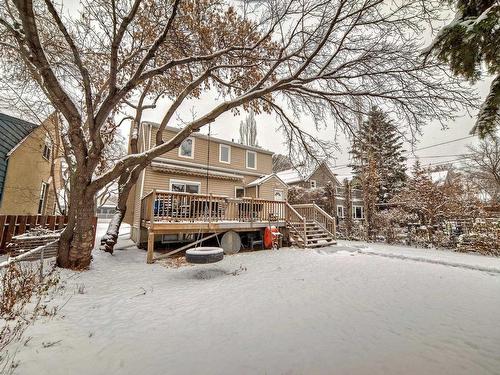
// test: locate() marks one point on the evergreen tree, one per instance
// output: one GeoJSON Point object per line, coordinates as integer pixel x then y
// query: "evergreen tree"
{"type": "Point", "coordinates": [377, 150]}
{"type": "Point", "coordinates": [469, 43]}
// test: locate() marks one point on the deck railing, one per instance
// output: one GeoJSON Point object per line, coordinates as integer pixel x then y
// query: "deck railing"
{"type": "Point", "coordinates": [166, 206]}
{"type": "Point", "coordinates": [312, 212]}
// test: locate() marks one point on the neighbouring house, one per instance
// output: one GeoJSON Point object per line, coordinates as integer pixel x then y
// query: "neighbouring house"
{"type": "Point", "coordinates": [206, 185]}
{"type": "Point", "coordinates": [28, 165]}
{"type": "Point", "coordinates": [321, 177]}
{"type": "Point", "coordinates": [356, 195]}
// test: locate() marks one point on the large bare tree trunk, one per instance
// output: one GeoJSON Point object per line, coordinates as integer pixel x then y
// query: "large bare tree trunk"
{"type": "Point", "coordinates": [77, 240]}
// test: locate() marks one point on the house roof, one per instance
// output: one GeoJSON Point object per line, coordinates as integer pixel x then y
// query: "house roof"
{"type": "Point", "coordinates": [215, 139]}
{"type": "Point", "coordinates": [13, 131]}
{"type": "Point", "coordinates": [264, 178]}
{"type": "Point", "coordinates": [438, 177]}
{"type": "Point", "coordinates": [290, 176]}
{"type": "Point", "coordinates": [293, 175]}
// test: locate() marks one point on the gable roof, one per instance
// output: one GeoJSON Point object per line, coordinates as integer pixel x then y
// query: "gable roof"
{"type": "Point", "coordinates": [13, 131]}
{"type": "Point", "coordinates": [291, 176]}
{"type": "Point", "coordinates": [264, 178]}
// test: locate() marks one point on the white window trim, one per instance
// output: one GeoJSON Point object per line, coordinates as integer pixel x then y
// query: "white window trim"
{"type": "Point", "coordinates": [239, 187]}
{"type": "Point", "coordinates": [354, 212]}
{"type": "Point", "coordinates": [42, 201]}
{"type": "Point", "coordinates": [228, 153]}
{"type": "Point", "coordinates": [192, 149]}
{"type": "Point", "coordinates": [311, 183]}
{"type": "Point", "coordinates": [282, 190]}
{"type": "Point", "coordinates": [185, 182]}
{"type": "Point", "coordinates": [343, 211]}
{"type": "Point", "coordinates": [255, 159]}
{"type": "Point", "coordinates": [47, 143]}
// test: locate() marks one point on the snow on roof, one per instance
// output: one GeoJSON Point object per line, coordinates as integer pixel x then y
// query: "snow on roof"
{"type": "Point", "coordinates": [263, 179]}
{"type": "Point", "coordinates": [438, 177]}
{"type": "Point", "coordinates": [290, 176]}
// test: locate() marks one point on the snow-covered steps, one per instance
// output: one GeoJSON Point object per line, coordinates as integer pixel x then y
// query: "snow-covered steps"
{"type": "Point", "coordinates": [310, 235]}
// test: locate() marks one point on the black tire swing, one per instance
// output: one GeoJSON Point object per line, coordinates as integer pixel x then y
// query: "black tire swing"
{"type": "Point", "coordinates": [205, 255]}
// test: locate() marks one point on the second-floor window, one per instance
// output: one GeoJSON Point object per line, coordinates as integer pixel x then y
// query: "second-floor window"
{"type": "Point", "coordinates": [358, 212]}
{"type": "Point", "coordinates": [47, 148]}
{"type": "Point", "coordinates": [224, 153]}
{"type": "Point", "coordinates": [186, 149]}
{"type": "Point", "coordinates": [251, 160]}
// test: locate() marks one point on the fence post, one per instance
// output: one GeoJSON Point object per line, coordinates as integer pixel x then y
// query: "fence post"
{"type": "Point", "coordinates": [41, 264]}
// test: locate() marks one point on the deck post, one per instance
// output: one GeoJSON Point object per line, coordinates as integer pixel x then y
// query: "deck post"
{"type": "Point", "coordinates": [153, 200]}
{"type": "Point", "coordinates": [210, 210]}
{"type": "Point", "coordinates": [151, 245]}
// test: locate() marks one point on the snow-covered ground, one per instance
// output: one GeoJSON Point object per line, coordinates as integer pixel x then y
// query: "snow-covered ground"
{"type": "Point", "coordinates": [347, 309]}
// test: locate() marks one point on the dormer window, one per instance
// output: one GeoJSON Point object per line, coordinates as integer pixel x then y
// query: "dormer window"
{"type": "Point", "coordinates": [47, 148]}
{"type": "Point", "coordinates": [224, 153]}
{"type": "Point", "coordinates": [186, 149]}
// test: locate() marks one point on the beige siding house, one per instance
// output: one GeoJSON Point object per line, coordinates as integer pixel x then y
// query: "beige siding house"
{"type": "Point", "coordinates": [27, 153]}
{"type": "Point", "coordinates": [202, 165]}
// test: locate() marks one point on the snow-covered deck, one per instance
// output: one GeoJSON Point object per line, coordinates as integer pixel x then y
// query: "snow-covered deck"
{"type": "Point", "coordinates": [347, 309]}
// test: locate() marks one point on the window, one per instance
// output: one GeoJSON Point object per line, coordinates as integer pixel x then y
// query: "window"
{"type": "Point", "coordinates": [239, 192]}
{"type": "Point", "coordinates": [358, 212]}
{"type": "Point", "coordinates": [43, 197]}
{"type": "Point", "coordinates": [312, 184]}
{"type": "Point", "coordinates": [279, 195]}
{"type": "Point", "coordinates": [178, 186]}
{"type": "Point", "coordinates": [47, 147]}
{"type": "Point", "coordinates": [224, 153]}
{"type": "Point", "coordinates": [251, 160]}
{"type": "Point", "coordinates": [186, 149]}
{"type": "Point", "coordinates": [340, 211]}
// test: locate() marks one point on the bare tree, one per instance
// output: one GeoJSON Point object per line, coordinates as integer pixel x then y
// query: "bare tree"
{"type": "Point", "coordinates": [483, 166]}
{"type": "Point", "coordinates": [248, 130]}
{"type": "Point", "coordinates": [287, 57]}
{"type": "Point", "coordinates": [281, 163]}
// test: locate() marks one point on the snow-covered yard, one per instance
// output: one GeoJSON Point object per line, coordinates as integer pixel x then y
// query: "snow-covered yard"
{"type": "Point", "coordinates": [337, 310]}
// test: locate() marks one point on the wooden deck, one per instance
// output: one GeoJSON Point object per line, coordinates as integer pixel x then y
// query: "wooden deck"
{"type": "Point", "coordinates": [166, 212]}
{"type": "Point", "coordinates": [170, 212]}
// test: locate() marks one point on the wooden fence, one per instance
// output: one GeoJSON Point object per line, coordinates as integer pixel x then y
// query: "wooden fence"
{"type": "Point", "coordinates": [15, 225]}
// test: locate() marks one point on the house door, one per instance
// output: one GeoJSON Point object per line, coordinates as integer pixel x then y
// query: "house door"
{"type": "Point", "coordinates": [279, 195]}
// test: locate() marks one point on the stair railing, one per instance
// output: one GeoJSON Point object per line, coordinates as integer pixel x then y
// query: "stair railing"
{"type": "Point", "coordinates": [293, 218]}
{"type": "Point", "coordinates": [312, 212]}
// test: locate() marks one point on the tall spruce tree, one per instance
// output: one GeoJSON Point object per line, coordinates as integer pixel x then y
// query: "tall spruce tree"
{"type": "Point", "coordinates": [470, 45]}
{"type": "Point", "coordinates": [378, 150]}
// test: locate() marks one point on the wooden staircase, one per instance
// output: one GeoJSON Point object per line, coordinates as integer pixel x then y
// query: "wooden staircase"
{"type": "Point", "coordinates": [310, 226]}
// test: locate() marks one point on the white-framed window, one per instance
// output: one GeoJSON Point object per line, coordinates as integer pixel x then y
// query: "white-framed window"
{"type": "Point", "coordinates": [43, 197]}
{"type": "Point", "coordinates": [239, 192]}
{"type": "Point", "coordinates": [181, 186]}
{"type": "Point", "coordinates": [279, 195]}
{"type": "Point", "coordinates": [186, 149]}
{"type": "Point", "coordinates": [340, 211]}
{"type": "Point", "coordinates": [47, 147]}
{"type": "Point", "coordinates": [225, 153]}
{"type": "Point", "coordinates": [251, 159]}
{"type": "Point", "coordinates": [358, 212]}
{"type": "Point", "coordinates": [312, 184]}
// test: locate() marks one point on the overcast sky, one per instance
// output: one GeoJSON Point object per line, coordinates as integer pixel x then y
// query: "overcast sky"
{"type": "Point", "coordinates": [227, 127]}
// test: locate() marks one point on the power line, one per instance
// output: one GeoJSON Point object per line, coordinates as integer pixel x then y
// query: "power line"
{"type": "Point", "coordinates": [420, 149]}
